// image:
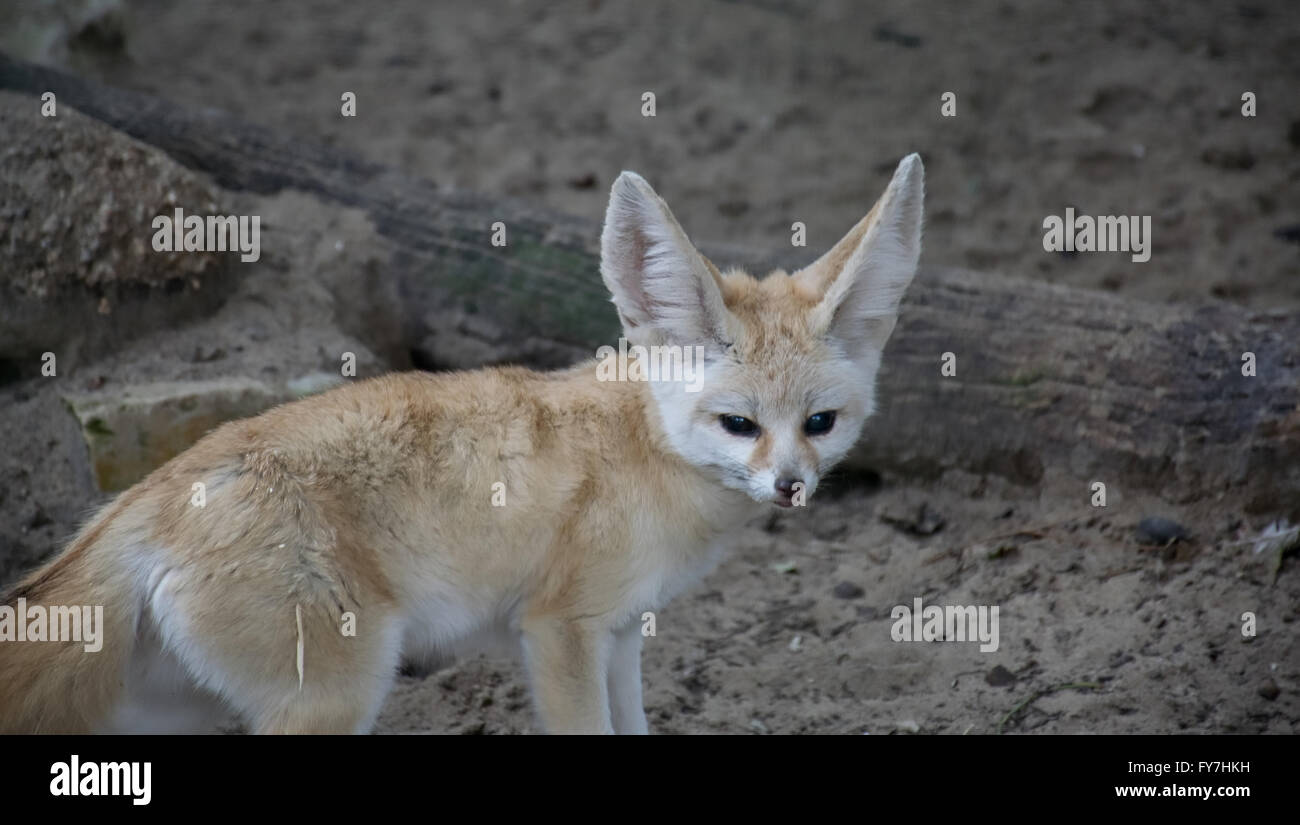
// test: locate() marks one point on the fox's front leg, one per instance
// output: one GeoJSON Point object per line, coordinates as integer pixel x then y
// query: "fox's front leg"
{"type": "Point", "coordinates": [625, 701]}
{"type": "Point", "coordinates": [568, 663]}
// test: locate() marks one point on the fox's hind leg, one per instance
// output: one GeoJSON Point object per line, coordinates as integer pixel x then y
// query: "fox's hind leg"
{"type": "Point", "coordinates": [159, 696]}
{"type": "Point", "coordinates": [330, 708]}
{"type": "Point", "coordinates": [286, 665]}
{"type": "Point", "coordinates": [344, 683]}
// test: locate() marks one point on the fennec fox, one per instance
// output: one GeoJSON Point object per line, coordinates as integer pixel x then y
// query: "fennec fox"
{"type": "Point", "coordinates": [432, 512]}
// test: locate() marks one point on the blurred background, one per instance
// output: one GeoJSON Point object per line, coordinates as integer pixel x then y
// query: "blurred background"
{"type": "Point", "coordinates": [774, 111]}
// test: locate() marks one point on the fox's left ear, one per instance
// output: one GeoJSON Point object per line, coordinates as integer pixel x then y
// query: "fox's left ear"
{"type": "Point", "coordinates": [861, 280]}
{"type": "Point", "coordinates": [664, 289]}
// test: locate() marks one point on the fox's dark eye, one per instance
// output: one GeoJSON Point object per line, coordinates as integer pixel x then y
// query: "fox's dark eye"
{"type": "Point", "coordinates": [819, 423]}
{"type": "Point", "coordinates": [738, 424]}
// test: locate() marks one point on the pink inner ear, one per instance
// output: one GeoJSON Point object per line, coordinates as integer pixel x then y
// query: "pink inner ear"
{"type": "Point", "coordinates": [637, 245]}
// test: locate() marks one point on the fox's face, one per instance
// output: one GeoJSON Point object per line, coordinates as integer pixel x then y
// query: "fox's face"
{"type": "Point", "coordinates": [790, 361]}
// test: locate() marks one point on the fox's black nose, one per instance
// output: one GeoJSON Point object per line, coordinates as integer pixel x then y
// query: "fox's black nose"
{"type": "Point", "coordinates": [785, 486]}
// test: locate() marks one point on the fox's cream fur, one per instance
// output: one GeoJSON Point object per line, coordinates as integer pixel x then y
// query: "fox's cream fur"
{"type": "Point", "coordinates": [376, 499]}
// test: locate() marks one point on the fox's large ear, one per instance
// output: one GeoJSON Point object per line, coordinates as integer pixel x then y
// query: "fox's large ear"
{"type": "Point", "coordinates": [862, 278]}
{"type": "Point", "coordinates": [664, 289]}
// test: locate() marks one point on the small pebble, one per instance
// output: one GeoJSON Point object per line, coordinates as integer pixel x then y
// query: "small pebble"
{"type": "Point", "coordinates": [1157, 530]}
{"type": "Point", "coordinates": [847, 590]}
{"type": "Point", "coordinates": [1269, 690]}
{"type": "Point", "coordinates": [1290, 232]}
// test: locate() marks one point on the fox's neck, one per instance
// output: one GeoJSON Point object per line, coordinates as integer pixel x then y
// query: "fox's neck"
{"type": "Point", "coordinates": [634, 405]}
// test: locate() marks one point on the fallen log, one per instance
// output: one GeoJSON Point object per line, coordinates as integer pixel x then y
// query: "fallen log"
{"type": "Point", "coordinates": [1052, 386]}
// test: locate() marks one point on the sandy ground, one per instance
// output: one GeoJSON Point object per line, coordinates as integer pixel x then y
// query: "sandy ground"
{"type": "Point", "coordinates": [767, 113]}
{"type": "Point", "coordinates": [763, 648]}
{"type": "Point", "coordinates": [775, 111]}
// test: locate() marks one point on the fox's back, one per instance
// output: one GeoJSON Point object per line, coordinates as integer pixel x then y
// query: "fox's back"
{"type": "Point", "coordinates": [491, 477]}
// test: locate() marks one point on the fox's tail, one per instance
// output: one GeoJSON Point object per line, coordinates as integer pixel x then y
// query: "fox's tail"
{"type": "Point", "coordinates": [60, 686]}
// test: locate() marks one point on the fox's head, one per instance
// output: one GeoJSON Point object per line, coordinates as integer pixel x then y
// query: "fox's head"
{"type": "Point", "coordinates": [790, 361]}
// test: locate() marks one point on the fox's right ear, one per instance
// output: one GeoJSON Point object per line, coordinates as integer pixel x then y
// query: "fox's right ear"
{"type": "Point", "coordinates": [663, 287]}
{"type": "Point", "coordinates": [860, 282]}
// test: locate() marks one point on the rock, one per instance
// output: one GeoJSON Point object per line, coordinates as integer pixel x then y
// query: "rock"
{"type": "Point", "coordinates": [81, 276]}
{"type": "Point", "coordinates": [1158, 530]}
{"type": "Point", "coordinates": [847, 590]}
{"type": "Point", "coordinates": [54, 33]}
{"type": "Point", "coordinates": [888, 34]}
{"type": "Point", "coordinates": [586, 181]}
{"type": "Point", "coordinates": [1269, 690]}
{"type": "Point", "coordinates": [774, 524]}
{"type": "Point", "coordinates": [829, 529]}
{"type": "Point", "coordinates": [134, 429]}
{"type": "Point", "coordinates": [39, 518]}
{"type": "Point", "coordinates": [733, 208]}
{"type": "Point", "coordinates": [1237, 159]}
{"type": "Point", "coordinates": [999, 676]}
{"type": "Point", "coordinates": [925, 522]}
{"type": "Point", "coordinates": [1003, 550]}
{"type": "Point", "coordinates": [204, 353]}
{"type": "Point", "coordinates": [1289, 233]}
